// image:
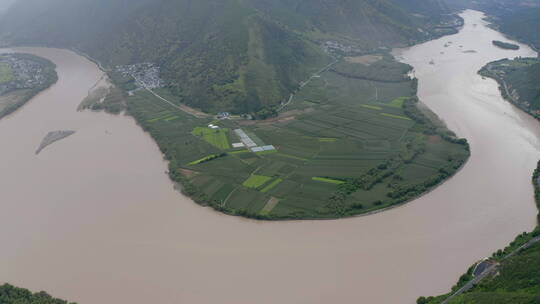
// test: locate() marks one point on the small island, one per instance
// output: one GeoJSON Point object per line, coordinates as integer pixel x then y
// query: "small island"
{"type": "Point", "coordinates": [505, 45]}
{"type": "Point", "coordinates": [53, 137]}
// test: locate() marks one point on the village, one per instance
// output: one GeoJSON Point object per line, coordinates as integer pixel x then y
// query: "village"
{"type": "Point", "coordinates": [22, 73]}
{"type": "Point", "coordinates": [146, 75]}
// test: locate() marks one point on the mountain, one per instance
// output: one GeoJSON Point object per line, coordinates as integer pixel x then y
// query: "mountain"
{"type": "Point", "coordinates": [523, 24]}
{"type": "Point", "coordinates": [519, 19]}
{"type": "Point", "coordinates": [235, 55]}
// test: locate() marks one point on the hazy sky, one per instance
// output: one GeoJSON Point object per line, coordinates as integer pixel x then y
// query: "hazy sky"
{"type": "Point", "coordinates": [4, 4]}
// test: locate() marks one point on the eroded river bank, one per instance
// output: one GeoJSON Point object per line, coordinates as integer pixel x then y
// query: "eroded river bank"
{"type": "Point", "coordinates": [94, 218]}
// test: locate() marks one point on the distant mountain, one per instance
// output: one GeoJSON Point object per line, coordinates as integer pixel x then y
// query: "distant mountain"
{"type": "Point", "coordinates": [235, 55]}
{"type": "Point", "coordinates": [523, 24]}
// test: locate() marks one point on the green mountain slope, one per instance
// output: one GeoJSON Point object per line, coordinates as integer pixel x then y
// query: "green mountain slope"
{"type": "Point", "coordinates": [523, 25]}
{"type": "Point", "coordinates": [235, 55]}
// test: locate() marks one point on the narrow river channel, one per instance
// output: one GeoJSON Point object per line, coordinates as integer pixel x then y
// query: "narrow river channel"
{"type": "Point", "coordinates": [94, 218]}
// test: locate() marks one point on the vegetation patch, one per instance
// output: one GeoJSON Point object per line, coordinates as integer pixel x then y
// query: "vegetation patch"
{"type": "Point", "coordinates": [215, 137]}
{"type": "Point", "coordinates": [272, 185]}
{"type": "Point", "coordinates": [171, 118]}
{"type": "Point", "coordinates": [372, 107]}
{"type": "Point", "coordinates": [505, 45]}
{"type": "Point", "coordinates": [256, 181]}
{"type": "Point", "coordinates": [270, 205]}
{"type": "Point", "coordinates": [328, 180]}
{"type": "Point", "coordinates": [395, 116]}
{"type": "Point", "coordinates": [398, 102]}
{"type": "Point", "coordinates": [206, 159]}
{"type": "Point", "coordinates": [6, 73]}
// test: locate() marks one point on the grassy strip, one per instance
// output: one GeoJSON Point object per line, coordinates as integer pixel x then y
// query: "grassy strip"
{"type": "Point", "coordinates": [256, 181]}
{"type": "Point", "coordinates": [293, 156]}
{"type": "Point", "coordinates": [327, 140]}
{"type": "Point", "coordinates": [158, 119]}
{"type": "Point", "coordinates": [395, 116]}
{"type": "Point", "coordinates": [398, 102]}
{"type": "Point", "coordinates": [206, 159]}
{"type": "Point", "coordinates": [328, 180]}
{"type": "Point", "coordinates": [171, 118]}
{"type": "Point", "coordinates": [272, 185]}
{"type": "Point", "coordinates": [372, 107]}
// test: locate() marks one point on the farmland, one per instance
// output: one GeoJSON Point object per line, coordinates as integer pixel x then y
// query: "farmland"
{"type": "Point", "coordinates": [344, 146]}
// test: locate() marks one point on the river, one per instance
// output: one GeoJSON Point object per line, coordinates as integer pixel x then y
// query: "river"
{"type": "Point", "coordinates": [95, 219]}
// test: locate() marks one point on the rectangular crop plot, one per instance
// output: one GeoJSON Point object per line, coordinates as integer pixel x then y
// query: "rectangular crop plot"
{"type": "Point", "coordinates": [272, 185]}
{"type": "Point", "coordinates": [256, 181]}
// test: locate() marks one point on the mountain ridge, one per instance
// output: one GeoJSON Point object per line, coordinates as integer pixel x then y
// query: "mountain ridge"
{"type": "Point", "coordinates": [222, 55]}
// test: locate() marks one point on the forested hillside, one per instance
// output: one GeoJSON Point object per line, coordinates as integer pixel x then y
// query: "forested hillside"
{"type": "Point", "coordinates": [519, 19]}
{"type": "Point", "coordinates": [235, 55]}
{"type": "Point", "coordinates": [523, 25]}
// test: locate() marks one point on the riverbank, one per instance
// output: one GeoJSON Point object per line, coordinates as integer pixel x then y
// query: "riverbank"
{"type": "Point", "coordinates": [517, 82]}
{"type": "Point", "coordinates": [484, 288]}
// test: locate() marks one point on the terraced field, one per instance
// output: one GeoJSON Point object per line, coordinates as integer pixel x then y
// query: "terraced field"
{"type": "Point", "coordinates": [345, 145]}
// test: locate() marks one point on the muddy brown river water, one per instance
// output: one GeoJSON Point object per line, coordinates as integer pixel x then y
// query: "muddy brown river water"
{"type": "Point", "coordinates": [94, 218]}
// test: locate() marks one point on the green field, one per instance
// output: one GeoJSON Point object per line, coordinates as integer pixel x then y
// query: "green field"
{"type": "Point", "coordinates": [272, 185]}
{"type": "Point", "coordinates": [6, 74]}
{"type": "Point", "coordinates": [256, 181]}
{"type": "Point", "coordinates": [217, 138]}
{"type": "Point", "coordinates": [359, 145]}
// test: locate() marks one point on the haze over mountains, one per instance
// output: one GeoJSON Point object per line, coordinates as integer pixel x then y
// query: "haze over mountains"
{"type": "Point", "coordinates": [235, 55]}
